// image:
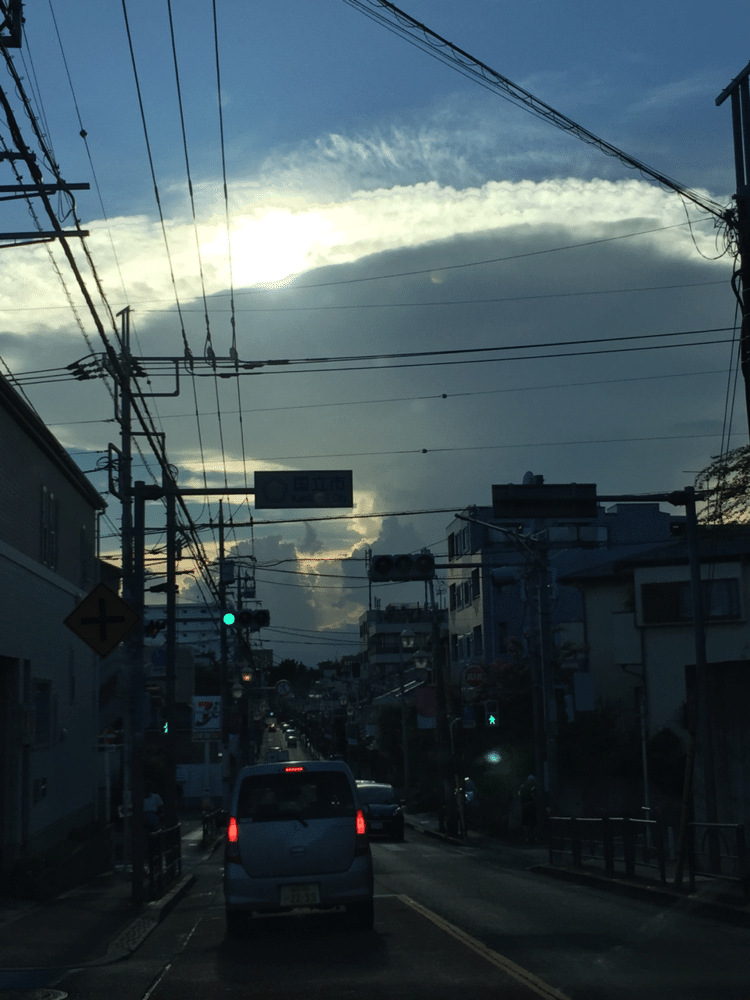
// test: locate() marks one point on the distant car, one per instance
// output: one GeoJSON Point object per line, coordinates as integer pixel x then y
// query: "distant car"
{"type": "Point", "coordinates": [291, 742]}
{"type": "Point", "coordinates": [385, 815]}
{"type": "Point", "coordinates": [272, 727]}
{"type": "Point", "coordinates": [297, 837]}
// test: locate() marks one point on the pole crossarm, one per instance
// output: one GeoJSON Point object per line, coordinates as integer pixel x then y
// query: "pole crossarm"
{"type": "Point", "coordinates": [678, 498]}
{"type": "Point", "coordinates": [733, 85]}
{"type": "Point", "coordinates": [159, 492]}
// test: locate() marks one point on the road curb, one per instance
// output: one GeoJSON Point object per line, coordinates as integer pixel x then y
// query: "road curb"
{"type": "Point", "coordinates": [133, 936]}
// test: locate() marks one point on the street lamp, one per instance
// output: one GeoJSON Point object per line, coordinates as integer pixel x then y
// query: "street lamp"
{"type": "Point", "coordinates": [422, 660]}
{"type": "Point", "coordinates": [407, 639]}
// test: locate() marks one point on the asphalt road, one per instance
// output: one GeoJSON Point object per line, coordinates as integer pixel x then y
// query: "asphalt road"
{"type": "Point", "coordinates": [449, 922]}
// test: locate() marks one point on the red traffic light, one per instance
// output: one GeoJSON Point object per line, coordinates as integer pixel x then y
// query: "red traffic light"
{"type": "Point", "coordinates": [154, 627]}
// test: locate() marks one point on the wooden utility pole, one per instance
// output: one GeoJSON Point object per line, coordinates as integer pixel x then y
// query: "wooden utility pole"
{"type": "Point", "coordinates": [739, 92]}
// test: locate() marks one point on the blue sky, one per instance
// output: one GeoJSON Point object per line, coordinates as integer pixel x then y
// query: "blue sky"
{"type": "Point", "coordinates": [382, 203]}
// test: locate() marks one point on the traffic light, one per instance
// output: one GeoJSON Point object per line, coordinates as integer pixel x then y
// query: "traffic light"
{"type": "Point", "coordinates": [490, 713]}
{"type": "Point", "coordinates": [228, 617]}
{"type": "Point", "coordinates": [254, 620]}
{"type": "Point", "coordinates": [402, 567]}
{"type": "Point", "coordinates": [153, 628]}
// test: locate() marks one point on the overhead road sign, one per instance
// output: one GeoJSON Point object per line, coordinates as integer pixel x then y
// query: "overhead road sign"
{"type": "Point", "coordinates": [102, 620]}
{"type": "Point", "coordinates": [292, 490]}
{"type": "Point", "coordinates": [515, 501]}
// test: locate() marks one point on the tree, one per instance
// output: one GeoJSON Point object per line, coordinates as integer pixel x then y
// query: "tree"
{"type": "Point", "coordinates": [727, 480]}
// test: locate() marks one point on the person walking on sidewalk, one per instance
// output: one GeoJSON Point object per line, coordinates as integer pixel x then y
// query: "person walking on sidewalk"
{"type": "Point", "coordinates": [527, 795]}
{"type": "Point", "coordinates": [153, 806]}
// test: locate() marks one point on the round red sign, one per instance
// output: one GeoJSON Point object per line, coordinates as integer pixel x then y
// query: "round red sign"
{"type": "Point", "coordinates": [474, 676]}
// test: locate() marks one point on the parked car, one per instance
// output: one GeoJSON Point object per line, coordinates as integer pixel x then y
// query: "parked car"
{"type": "Point", "coordinates": [385, 814]}
{"type": "Point", "coordinates": [297, 837]}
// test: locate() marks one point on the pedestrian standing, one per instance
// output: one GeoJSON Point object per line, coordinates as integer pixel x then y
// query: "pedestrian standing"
{"type": "Point", "coordinates": [152, 810]}
{"type": "Point", "coordinates": [527, 795]}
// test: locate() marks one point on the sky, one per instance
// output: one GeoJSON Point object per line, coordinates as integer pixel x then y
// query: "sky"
{"type": "Point", "coordinates": [380, 203]}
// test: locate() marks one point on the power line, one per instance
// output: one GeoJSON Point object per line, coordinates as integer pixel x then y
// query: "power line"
{"type": "Point", "coordinates": [412, 399]}
{"type": "Point", "coordinates": [67, 373]}
{"type": "Point", "coordinates": [440, 48]}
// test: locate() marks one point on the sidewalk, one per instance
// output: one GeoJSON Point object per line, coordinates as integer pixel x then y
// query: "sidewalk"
{"type": "Point", "coordinates": [714, 897]}
{"type": "Point", "coordinates": [93, 924]}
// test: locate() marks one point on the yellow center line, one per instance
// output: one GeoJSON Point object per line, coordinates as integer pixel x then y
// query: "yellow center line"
{"type": "Point", "coordinates": [518, 973]}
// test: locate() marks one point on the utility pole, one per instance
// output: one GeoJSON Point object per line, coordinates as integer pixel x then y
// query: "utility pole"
{"type": "Point", "coordinates": [447, 757]}
{"type": "Point", "coordinates": [546, 677]}
{"type": "Point", "coordinates": [170, 796]}
{"type": "Point", "coordinates": [137, 696]}
{"type": "Point", "coordinates": [739, 92]}
{"type": "Point", "coordinates": [226, 789]}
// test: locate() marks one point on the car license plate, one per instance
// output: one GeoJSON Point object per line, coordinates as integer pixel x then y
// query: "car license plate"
{"type": "Point", "coordinates": [300, 895]}
{"type": "Point", "coordinates": [377, 824]}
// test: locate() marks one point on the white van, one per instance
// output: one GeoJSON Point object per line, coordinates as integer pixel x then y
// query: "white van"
{"type": "Point", "coordinates": [297, 837]}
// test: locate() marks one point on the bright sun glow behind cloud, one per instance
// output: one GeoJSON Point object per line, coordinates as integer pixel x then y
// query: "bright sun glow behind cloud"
{"type": "Point", "coordinates": [272, 241]}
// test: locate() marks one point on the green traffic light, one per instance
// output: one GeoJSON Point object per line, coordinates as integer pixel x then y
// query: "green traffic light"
{"type": "Point", "coordinates": [228, 618]}
{"type": "Point", "coordinates": [492, 720]}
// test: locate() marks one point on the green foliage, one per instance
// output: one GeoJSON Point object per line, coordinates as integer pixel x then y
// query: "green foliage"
{"type": "Point", "coordinates": [727, 479]}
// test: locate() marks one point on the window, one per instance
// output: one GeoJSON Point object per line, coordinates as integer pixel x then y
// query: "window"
{"type": "Point", "coordinates": [478, 640]}
{"type": "Point", "coordinates": [85, 555]}
{"type": "Point", "coordinates": [452, 597]}
{"type": "Point", "coordinates": [42, 699]}
{"type": "Point", "coordinates": [474, 584]}
{"type": "Point", "coordinates": [662, 603]}
{"type": "Point", "coordinates": [451, 545]}
{"type": "Point", "coordinates": [48, 528]}
{"type": "Point", "coordinates": [71, 677]}
{"type": "Point", "coordinates": [454, 648]}
{"type": "Point", "coordinates": [466, 592]}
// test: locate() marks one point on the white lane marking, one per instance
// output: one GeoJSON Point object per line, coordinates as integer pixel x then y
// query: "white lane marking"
{"type": "Point", "coordinates": [516, 972]}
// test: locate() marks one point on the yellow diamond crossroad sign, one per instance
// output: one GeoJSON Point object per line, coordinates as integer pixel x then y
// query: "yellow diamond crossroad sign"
{"type": "Point", "coordinates": [102, 620]}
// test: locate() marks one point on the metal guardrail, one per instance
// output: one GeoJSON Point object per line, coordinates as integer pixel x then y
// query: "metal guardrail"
{"type": "Point", "coordinates": [620, 840]}
{"type": "Point", "coordinates": [708, 859]}
{"type": "Point", "coordinates": [164, 859]}
{"type": "Point", "coordinates": [211, 824]}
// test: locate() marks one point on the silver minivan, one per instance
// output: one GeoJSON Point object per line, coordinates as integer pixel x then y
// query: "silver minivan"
{"type": "Point", "coordinates": [297, 837]}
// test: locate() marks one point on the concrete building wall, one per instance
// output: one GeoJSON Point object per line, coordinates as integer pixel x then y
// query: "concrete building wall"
{"type": "Point", "coordinates": [669, 647]}
{"type": "Point", "coordinates": [49, 679]}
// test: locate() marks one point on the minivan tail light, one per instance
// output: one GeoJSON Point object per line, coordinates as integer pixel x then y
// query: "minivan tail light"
{"type": "Point", "coordinates": [362, 844]}
{"type": "Point", "coordinates": [361, 822]}
{"type": "Point", "coordinates": [233, 841]}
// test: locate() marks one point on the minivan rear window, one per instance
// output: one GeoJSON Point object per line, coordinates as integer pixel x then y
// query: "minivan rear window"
{"type": "Point", "coordinates": [295, 795]}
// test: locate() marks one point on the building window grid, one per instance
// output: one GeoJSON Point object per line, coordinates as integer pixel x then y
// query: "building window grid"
{"type": "Point", "coordinates": [671, 602]}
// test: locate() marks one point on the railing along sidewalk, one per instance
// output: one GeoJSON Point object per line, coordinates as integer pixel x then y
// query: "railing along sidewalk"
{"type": "Point", "coordinates": [641, 842]}
{"type": "Point", "coordinates": [164, 859]}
